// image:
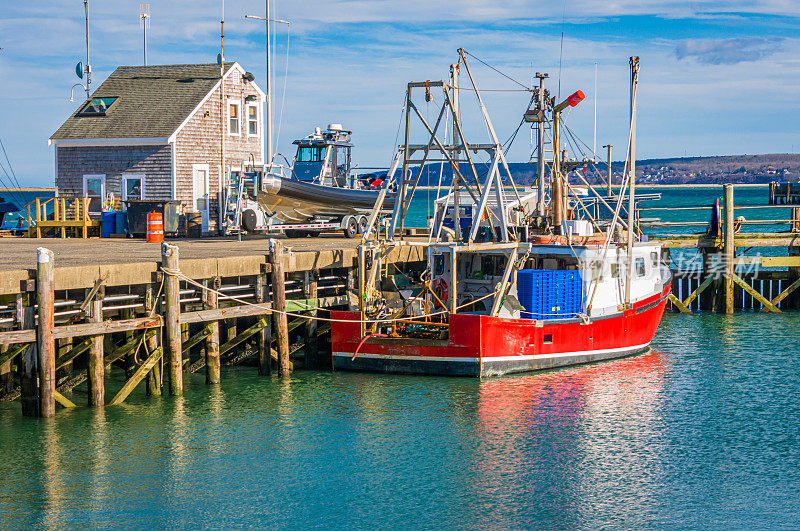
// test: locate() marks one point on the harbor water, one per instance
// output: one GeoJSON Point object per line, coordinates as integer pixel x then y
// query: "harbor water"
{"type": "Point", "coordinates": [701, 432]}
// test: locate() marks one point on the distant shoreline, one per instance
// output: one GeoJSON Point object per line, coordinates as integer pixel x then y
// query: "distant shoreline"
{"type": "Point", "coordinates": [29, 189]}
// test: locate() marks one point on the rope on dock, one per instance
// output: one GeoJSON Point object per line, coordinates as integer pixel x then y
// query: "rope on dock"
{"type": "Point", "coordinates": [177, 273]}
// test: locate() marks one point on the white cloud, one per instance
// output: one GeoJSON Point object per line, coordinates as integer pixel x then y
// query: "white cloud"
{"type": "Point", "coordinates": [728, 51]}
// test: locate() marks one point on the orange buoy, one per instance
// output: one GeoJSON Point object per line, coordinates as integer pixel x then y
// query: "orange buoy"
{"type": "Point", "coordinates": [155, 227]}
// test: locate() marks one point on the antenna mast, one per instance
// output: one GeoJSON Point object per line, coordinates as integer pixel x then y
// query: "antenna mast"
{"type": "Point", "coordinates": [87, 68]}
{"type": "Point", "coordinates": [144, 16]}
{"type": "Point", "coordinates": [268, 91]}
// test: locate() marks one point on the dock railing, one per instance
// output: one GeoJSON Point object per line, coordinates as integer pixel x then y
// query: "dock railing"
{"type": "Point", "coordinates": [70, 217]}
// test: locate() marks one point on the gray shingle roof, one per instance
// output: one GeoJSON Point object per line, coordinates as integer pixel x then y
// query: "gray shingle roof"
{"type": "Point", "coordinates": [153, 101]}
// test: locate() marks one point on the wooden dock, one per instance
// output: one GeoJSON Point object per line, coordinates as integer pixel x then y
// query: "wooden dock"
{"type": "Point", "coordinates": [196, 307]}
{"type": "Point", "coordinates": [784, 193]}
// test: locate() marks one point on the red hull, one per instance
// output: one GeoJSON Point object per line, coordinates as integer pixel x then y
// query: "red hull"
{"type": "Point", "coordinates": [480, 345]}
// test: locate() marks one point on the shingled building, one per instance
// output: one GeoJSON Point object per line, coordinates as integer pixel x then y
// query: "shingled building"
{"type": "Point", "coordinates": [167, 132]}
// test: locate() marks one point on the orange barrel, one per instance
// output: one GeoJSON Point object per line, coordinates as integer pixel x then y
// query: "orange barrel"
{"type": "Point", "coordinates": [155, 227]}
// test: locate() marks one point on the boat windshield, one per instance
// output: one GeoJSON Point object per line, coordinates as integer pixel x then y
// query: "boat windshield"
{"type": "Point", "coordinates": [310, 154]}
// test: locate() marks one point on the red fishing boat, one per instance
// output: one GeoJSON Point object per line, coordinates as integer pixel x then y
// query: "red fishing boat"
{"type": "Point", "coordinates": [512, 290]}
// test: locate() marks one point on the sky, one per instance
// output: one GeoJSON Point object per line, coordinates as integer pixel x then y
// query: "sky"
{"type": "Point", "coordinates": [717, 76]}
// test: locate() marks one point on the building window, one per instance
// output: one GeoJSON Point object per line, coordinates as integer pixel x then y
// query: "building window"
{"type": "Point", "coordinates": [94, 187]}
{"type": "Point", "coordinates": [252, 120]}
{"type": "Point", "coordinates": [233, 118]}
{"type": "Point", "coordinates": [133, 188]}
{"type": "Point", "coordinates": [98, 106]}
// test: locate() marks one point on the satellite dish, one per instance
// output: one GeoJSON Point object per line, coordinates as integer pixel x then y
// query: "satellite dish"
{"type": "Point", "coordinates": [219, 59]}
{"type": "Point", "coordinates": [79, 70]}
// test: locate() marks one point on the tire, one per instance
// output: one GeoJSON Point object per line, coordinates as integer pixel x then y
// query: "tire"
{"type": "Point", "coordinates": [293, 233]}
{"type": "Point", "coordinates": [351, 228]}
{"type": "Point", "coordinates": [249, 220]}
{"type": "Point", "coordinates": [362, 224]}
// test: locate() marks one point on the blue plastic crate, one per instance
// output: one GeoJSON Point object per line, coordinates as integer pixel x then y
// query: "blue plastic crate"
{"type": "Point", "coordinates": [549, 293]}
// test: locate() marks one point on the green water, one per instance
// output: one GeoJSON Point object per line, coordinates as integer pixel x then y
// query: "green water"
{"type": "Point", "coordinates": [703, 432]}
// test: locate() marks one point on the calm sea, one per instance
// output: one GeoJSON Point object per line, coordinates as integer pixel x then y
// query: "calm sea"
{"type": "Point", "coordinates": [700, 433]}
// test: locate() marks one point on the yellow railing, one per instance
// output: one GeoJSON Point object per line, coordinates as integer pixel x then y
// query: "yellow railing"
{"type": "Point", "coordinates": [70, 217]}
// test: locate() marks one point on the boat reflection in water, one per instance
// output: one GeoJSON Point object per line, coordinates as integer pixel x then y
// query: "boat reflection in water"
{"type": "Point", "coordinates": [571, 440]}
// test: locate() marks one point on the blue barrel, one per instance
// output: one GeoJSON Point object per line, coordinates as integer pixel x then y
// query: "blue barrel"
{"type": "Point", "coordinates": [107, 224]}
{"type": "Point", "coordinates": [121, 222]}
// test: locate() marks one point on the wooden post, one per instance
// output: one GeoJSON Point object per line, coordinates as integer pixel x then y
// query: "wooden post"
{"type": "Point", "coordinates": [172, 312]}
{"type": "Point", "coordinates": [154, 376]}
{"type": "Point", "coordinates": [264, 335]}
{"type": "Point", "coordinates": [279, 304]}
{"type": "Point", "coordinates": [453, 281]}
{"type": "Point", "coordinates": [311, 285]}
{"type": "Point", "coordinates": [6, 375]}
{"type": "Point", "coordinates": [729, 249]}
{"type": "Point", "coordinates": [45, 341]}
{"type": "Point", "coordinates": [29, 380]}
{"type": "Point", "coordinates": [212, 341]}
{"type": "Point", "coordinates": [95, 371]}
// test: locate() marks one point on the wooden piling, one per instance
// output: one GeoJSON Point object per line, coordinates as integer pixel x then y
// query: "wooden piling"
{"type": "Point", "coordinates": [264, 335]}
{"type": "Point", "coordinates": [279, 304]}
{"type": "Point", "coordinates": [153, 342]}
{"type": "Point", "coordinates": [172, 311]}
{"type": "Point", "coordinates": [95, 370]}
{"type": "Point", "coordinates": [45, 340]}
{"type": "Point", "coordinates": [29, 378]}
{"type": "Point", "coordinates": [6, 374]}
{"type": "Point", "coordinates": [729, 248]}
{"type": "Point", "coordinates": [311, 285]}
{"type": "Point", "coordinates": [212, 341]}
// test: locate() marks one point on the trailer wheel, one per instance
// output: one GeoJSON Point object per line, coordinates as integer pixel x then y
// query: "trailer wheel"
{"type": "Point", "coordinates": [249, 220]}
{"type": "Point", "coordinates": [293, 233]}
{"type": "Point", "coordinates": [351, 228]}
{"type": "Point", "coordinates": [362, 224]}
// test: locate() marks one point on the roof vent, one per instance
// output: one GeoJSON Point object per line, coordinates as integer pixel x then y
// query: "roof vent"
{"type": "Point", "coordinates": [335, 127]}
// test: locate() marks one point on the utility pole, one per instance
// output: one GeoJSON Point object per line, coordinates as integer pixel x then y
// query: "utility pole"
{"type": "Point", "coordinates": [634, 62]}
{"type": "Point", "coordinates": [268, 91]}
{"type": "Point", "coordinates": [608, 169]}
{"type": "Point", "coordinates": [144, 16]}
{"type": "Point", "coordinates": [541, 208]}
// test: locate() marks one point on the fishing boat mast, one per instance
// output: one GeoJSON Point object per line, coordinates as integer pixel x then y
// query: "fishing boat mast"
{"type": "Point", "coordinates": [541, 206]}
{"type": "Point", "coordinates": [634, 62]}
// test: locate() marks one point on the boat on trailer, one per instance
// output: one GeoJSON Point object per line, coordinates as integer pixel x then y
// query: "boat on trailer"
{"type": "Point", "coordinates": [320, 191]}
{"type": "Point", "coordinates": [505, 295]}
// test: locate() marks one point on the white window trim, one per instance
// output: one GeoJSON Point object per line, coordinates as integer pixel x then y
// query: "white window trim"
{"type": "Point", "coordinates": [102, 177]}
{"type": "Point", "coordinates": [258, 120]}
{"type": "Point", "coordinates": [126, 176]}
{"type": "Point", "coordinates": [238, 104]}
{"type": "Point", "coordinates": [205, 167]}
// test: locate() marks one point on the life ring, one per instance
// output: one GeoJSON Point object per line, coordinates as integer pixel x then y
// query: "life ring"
{"type": "Point", "coordinates": [440, 289]}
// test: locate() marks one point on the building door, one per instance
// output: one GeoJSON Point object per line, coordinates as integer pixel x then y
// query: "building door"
{"type": "Point", "coordinates": [200, 200]}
